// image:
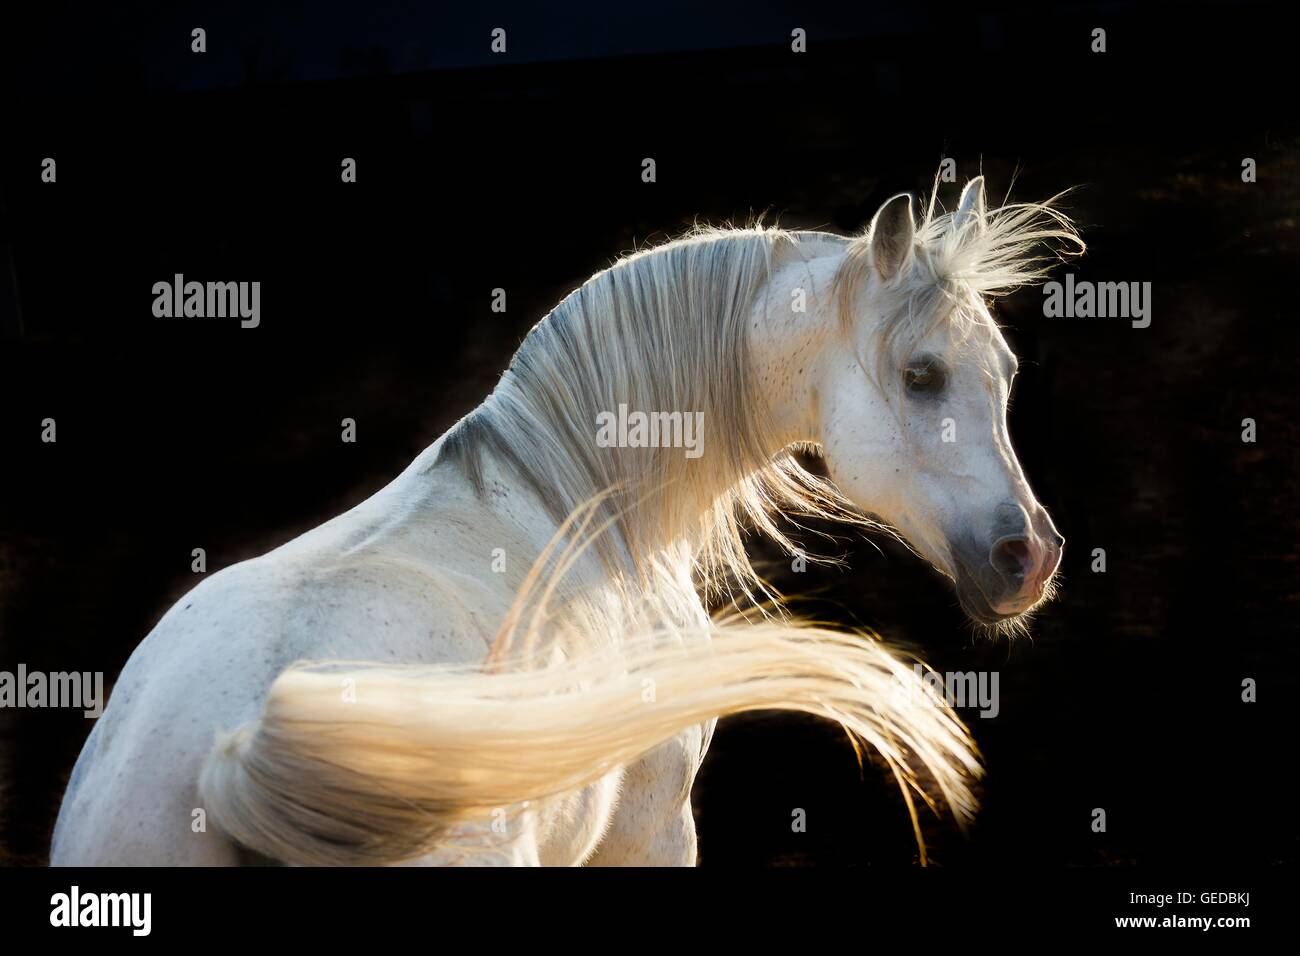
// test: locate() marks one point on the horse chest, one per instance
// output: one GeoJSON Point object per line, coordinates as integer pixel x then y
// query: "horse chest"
{"type": "Point", "coordinates": [668, 771]}
{"type": "Point", "coordinates": [653, 824]}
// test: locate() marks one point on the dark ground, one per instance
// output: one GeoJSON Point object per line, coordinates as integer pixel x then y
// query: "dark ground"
{"type": "Point", "coordinates": [175, 435]}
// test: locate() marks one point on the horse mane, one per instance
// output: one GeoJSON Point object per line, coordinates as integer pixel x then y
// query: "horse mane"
{"type": "Point", "coordinates": [663, 329]}
{"type": "Point", "coordinates": [667, 329]}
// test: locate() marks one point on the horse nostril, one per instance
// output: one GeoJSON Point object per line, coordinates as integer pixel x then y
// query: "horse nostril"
{"type": "Point", "coordinates": [1010, 557]}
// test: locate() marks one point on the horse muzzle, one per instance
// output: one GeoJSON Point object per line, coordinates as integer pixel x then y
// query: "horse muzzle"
{"type": "Point", "coordinates": [1012, 576]}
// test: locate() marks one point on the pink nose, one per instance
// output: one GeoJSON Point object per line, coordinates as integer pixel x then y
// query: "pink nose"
{"type": "Point", "coordinates": [1025, 563]}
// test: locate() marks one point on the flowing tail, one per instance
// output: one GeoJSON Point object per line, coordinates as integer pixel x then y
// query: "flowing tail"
{"type": "Point", "coordinates": [355, 764]}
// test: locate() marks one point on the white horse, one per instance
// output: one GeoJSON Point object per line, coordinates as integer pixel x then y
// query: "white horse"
{"type": "Point", "coordinates": [541, 678]}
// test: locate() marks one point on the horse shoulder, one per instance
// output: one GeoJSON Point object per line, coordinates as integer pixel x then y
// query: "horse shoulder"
{"type": "Point", "coordinates": [207, 666]}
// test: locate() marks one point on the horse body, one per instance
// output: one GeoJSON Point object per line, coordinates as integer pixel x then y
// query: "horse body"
{"type": "Point", "coordinates": [390, 580]}
{"type": "Point", "coordinates": [485, 729]}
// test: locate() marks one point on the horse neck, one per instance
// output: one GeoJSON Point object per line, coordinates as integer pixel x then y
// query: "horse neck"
{"type": "Point", "coordinates": [784, 352]}
{"type": "Point", "coordinates": [793, 327]}
{"type": "Point", "coordinates": [542, 424]}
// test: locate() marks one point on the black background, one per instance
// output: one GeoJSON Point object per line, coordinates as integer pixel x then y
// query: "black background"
{"type": "Point", "coordinates": [523, 172]}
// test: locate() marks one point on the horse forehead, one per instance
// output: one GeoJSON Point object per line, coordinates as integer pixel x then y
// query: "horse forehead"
{"type": "Point", "coordinates": [980, 338]}
{"type": "Point", "coordinates": [987, 344]}
{"type": "Point", "coordinates": [1006, 358]}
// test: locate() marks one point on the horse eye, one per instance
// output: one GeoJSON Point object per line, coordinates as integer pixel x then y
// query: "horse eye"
{"type": "Point", "coordinates": [924, 378]}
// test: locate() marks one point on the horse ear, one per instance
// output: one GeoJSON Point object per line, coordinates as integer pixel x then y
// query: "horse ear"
{"type": "Point", "coordinates": [892, 235]}
{"type": "Point", "coordinates": [971, 206]}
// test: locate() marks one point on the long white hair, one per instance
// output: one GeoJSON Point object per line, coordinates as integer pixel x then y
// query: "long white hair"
{"type": "Point", "coordinates": [561, 699]}
{"type": "Point", "coordinates": [664, 328]}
